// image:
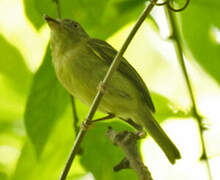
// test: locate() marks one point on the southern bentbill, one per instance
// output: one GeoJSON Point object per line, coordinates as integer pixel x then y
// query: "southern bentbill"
{"type": "Point", "coordinates": [81, 62]}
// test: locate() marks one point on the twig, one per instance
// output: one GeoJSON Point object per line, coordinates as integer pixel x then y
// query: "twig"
{"type": "Point", "coordinates": [123, 164]}
{"type": "Point", "coordinates": [108, 117]}
{"type": "Point", "coordinates": [58, 8]}
{"type": "Point", "coordinates": [100, 92]}
{"type": "Point", "coordinates": [75, 117]}
{"type": "Point", "coordinates": [179, 54]}
{"type": "Point", "coordinates": [133, 124]}
{"type": "Point", "coordinates": [127, 141]}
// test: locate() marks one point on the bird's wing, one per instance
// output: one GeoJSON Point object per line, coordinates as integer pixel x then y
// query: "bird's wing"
{"type": "Point", "coordinates": [106, 53]}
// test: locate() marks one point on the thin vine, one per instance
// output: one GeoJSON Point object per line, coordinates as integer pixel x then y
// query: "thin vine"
{"type": "Point", "coordinates": [179, 52]}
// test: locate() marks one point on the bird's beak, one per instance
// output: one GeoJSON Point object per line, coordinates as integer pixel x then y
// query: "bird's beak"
{"type": "Point", "coordinates": [51, 22]}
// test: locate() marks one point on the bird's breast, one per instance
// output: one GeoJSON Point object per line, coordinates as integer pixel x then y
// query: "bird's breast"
{"type": "Point", "coordinates": [79, 72]}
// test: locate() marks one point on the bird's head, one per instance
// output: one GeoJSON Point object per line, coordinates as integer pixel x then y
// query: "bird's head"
{"type": "Point", "coordinates": [65, 31]}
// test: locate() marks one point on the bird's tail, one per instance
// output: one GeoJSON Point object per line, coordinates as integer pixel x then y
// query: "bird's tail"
{"type": "Point", "coordinates": [158, 134]}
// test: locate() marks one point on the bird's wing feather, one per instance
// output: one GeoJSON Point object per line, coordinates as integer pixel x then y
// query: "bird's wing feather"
{"type": "Point", "coordinates": [106, 53]}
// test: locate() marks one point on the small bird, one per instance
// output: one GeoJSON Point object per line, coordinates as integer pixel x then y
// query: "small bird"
{"type": "Point", "coordinates": [81, 62]}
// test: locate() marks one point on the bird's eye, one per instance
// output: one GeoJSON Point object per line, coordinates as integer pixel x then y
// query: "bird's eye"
{"type": "Point", "coordinates": [75, 25]}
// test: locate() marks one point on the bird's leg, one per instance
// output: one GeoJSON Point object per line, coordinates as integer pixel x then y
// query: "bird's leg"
{"type": "Point", "coordinates": [89, 123]}
{"type": "Point", "coordinates": [132, 123]}
{"type": "Point", "coordinates": [109, 116]}
{"type": "Point", "coordinates": [140, 132]}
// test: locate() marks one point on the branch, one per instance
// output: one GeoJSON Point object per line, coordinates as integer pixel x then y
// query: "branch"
{"type": "Point", "coordinates": [102, 88]}
{"type": "Point", "coordinates": [75, 117]}
{"type": "Point", "coordinates": [127, 141]}
{"type": "Point", "coordinates": [179, 53]}
{"type": "Point", "coordinates": [58, 8]}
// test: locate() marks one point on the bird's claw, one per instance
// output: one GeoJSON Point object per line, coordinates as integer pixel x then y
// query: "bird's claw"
{"type": "Point", "coordinates": [85, 124]}
{"type": "Point", "coordinates": [101, 87]}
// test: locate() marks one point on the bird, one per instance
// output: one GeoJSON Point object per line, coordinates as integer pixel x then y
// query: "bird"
{"type": "Point", "coordinates": [81, 62]}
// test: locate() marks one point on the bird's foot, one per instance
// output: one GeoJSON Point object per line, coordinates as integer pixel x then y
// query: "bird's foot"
{"type": "Point", "coordinates": [109, 116]}
{"type": "Point", "coordinates": [101, 87]}
{"type": "Point", "coordinates": [85, 124]}
{"type": "Point", "coordinates": [141, 134]}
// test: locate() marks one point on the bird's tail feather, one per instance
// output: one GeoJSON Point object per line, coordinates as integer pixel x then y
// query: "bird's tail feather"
{"type": "Point", "coordinates": [158, 134]}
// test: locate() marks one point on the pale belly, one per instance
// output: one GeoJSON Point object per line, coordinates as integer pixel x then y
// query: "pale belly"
{"type": "Point", "coordinates": [81, 79]}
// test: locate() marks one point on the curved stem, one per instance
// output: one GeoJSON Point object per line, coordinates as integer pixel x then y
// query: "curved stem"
{"type": "Point", "coordinates": [179, 54]}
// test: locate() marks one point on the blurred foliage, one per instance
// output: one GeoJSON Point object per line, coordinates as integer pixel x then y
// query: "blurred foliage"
{"type": "Point", "coordinates": [96, 16]}
{"type": "Point", "coordinates": [104, 153]}
{"type": "Point", "coordinates": [48, 115]}
{"type": "Point", "coordinates": [200, 31]}
{"type": "Point", "coordinates": [15, 81]}
{"type": "Point", "coordinates": [46, 103]}
{"type": "Point", "coordinates": [18, 75]}
{"type": "Point", "coordinates": [49, 165]}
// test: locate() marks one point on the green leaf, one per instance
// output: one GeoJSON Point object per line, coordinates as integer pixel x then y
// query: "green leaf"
{"type": "Point", "coordinates": [15, 84]}
{"type": "Point", "coordinates": [100, 155]}
{"type": "Point", "coordinates": [46, 103]}
{"type": "Point", "coordinates": [26, 162]}
{"type": "Point", "coordinates": [200, 31]}
{"type": "Point", "coordinates": [100, 18]}
{"type": "Point", "coordinates": [56, 151]}
{"type": "Point", "coordinates": [3, 176]}
{"type": "Point", "coordinates": [166, 109]}
{"type": "Point", "coordinates": [12, 66]}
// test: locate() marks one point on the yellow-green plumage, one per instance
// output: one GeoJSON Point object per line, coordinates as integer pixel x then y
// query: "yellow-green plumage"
{"type": "Point", "coordinates": [81, 63]}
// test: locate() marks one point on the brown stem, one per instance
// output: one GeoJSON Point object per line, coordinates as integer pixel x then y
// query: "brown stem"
{"type": "Point", "coordinates": [127, 141]}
